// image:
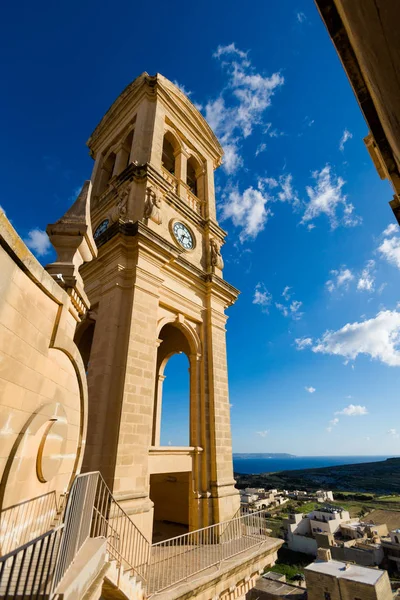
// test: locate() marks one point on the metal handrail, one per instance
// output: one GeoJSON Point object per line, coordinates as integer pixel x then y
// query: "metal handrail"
{"type": "Point", "coordinates": [183, 556]}
{"type": "Point", "coordinates": [26, 520]}
{"type": "Point", "coordinates": [28, 571]}
{"type": "Point", "coordinates": [92, 512]}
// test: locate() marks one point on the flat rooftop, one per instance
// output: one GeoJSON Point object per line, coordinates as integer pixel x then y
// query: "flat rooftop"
{"type": "Point", "coordinates": [268, 588]}
{"type": "Point", "coordinates": [343, 570]}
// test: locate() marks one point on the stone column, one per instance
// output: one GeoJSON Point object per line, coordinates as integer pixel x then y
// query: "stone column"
{"type": "Point", "coordinates": [224, 497]}
{"type": "Point", "coordinates": [107, 370]}
{"type": "Point", "coordinates": [181, 158]}
{"type": "Point", "coordinates": [201, 183]}
{"type": "Point", "coordinates": [209, 191]}
{"type": "Point", "coordinates": [157, 411]}
{"type": "Point", "coordinates": [131, 482]}
{"type": "Point", "coordinates": [149, 133]}
{"type": "Point", "coordinates": [121, 159]}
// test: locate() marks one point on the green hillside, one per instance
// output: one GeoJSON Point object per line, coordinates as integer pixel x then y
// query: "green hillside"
{"type": "Point", "coordinates": [375, 477]}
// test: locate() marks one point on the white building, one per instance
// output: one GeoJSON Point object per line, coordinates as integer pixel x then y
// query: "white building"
{"type": "Point", "coordinates": [327, 519]}
{"type": "Point", "coordinates": [257, 491]}
{"type": "Point", "coordinates": [246, 498]}
{"type": "Point", "coordinates": [324, 496]}
{"type": "Point", "coordinates": [301, 529]}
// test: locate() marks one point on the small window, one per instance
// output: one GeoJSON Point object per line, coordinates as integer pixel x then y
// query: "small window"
{"type": "Point", "coordinates": [327, 596]}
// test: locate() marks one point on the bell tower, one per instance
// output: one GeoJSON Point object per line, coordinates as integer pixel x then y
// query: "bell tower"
{"type": "Point", "coordinates": [156, 288]}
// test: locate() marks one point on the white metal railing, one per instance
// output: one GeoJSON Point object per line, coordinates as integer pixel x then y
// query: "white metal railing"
{"type": "Point", "coordinates": [26, 520]}
{"type": "Point", "coordinates": [37, 568]}
{"type": "Point", "coordinates": [176, 559]}
{"type": "Point", "coordinates": [27, 572]}
{"type": "Point", "coordinates": [93, 512]}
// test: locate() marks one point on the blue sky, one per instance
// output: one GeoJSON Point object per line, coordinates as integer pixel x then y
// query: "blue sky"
{"type": "Point", "coordinates": [313, 339]}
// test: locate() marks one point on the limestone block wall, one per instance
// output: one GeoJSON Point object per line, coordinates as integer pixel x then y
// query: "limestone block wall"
{"type": "Point", "coordinates": [170, 494]}
{"type": "Point", "coordinates": [319, 583]}
{"type": "Point", "coordinates": [43, 392]}
{"type": "Point", "coordinates": [350, 589]}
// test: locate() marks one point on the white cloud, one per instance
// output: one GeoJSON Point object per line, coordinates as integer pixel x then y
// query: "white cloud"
{"type": "Point", "coordinates": [284, 309]}
{"type": "Point", "coordinates": [301, 17]}
{"type": "Point", "coordinates": [291, 310]}
{"type": "Point", "coordinates": [332, 423]}
{"type": "Point", "coordinates": [310, 389]}
{"type": "Point", "coordinates": [378, 337]}
{"type": "Point", "coordinates": [262, 297]}
{"type": "Point", "coordinates": [353, 410]}
{"type": "Point", "coordinates": [341, 279]}
{"type": "Point", "coordinates": [294, 310]}
{"type": "Point", "coordinates": [272, 133]}
{"type": "Point", "coordinates": [287, 193]}
{"type": "Point", "coordinates": [302, 343]}
{"type": "Point", "coordinates": [249, 94]}
{"type": "Point", "coordinates": [390, 250]}
{"type": "Point", "coordinates": [183, 89]}
{"type": "Point", "coordinates": [229, 49]}
{"type": "Point", "coordinates": [248, 210]}
{"type": "Point", "coordinates": [261, 148]}
{"type": "Point", "coordinates": [263, 433]}
{"type": "Point", "coordinates": [391, 229]}
{"type": "Point", "coordinates": [393, 433]}
{"type": "Point", "coordinates": [366, 280]}
{"type": "Point", "coordinates": [345, 137]}
{"type": "Point", "coordinates": [38, 241]}
{"type": "Point", "coordinates": [326, 197]}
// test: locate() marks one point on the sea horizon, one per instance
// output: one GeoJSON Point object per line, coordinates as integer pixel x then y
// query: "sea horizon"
{"type": "Point", "coordinates": [255, 466]}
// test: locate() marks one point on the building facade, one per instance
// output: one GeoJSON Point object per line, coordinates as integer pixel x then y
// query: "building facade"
{"type": "Point", "coordinates": [329, 579]}
{"type": "Point", "coordinates": [156, 289]}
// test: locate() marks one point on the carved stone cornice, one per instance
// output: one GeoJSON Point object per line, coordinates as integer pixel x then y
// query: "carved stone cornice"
{"type": "Point", "coordinates": [73, 241]}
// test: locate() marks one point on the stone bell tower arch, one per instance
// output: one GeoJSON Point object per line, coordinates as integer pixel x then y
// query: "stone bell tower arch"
{"type": "Point", "coordinates": [156, 288]}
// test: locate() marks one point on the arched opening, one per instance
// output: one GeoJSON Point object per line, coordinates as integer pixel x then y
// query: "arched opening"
{"type": "Point", "coordinates": [171, 479]}
{"type": "Point", "coordinates": [191, 179]}
{"type": "Point", "coordinates": [84, 340]}
{"type": "Point", "coordinates": [175, 402]}
{"type": "Point", "coordinates": [106, 173]}
{"type": "Point", "coordinates": [168, 151]}
{"type": "Point", "coordinates": [173, 341]}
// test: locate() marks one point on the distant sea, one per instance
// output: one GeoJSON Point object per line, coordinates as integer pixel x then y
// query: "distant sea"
{"type": "Point", "coordinates": [271, 465]}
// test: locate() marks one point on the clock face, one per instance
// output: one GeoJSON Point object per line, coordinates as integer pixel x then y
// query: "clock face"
{"type": "Point", "coordinates": [183, 235]}
{"type": "Point", "coordinates": [101, 228]}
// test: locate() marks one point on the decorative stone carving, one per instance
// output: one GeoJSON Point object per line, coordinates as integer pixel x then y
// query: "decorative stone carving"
{"type": "Point", "coordinates": [216, 256]}
{"type": "Point", "coordinates": [73, 241]}
{"type": "Point", "coordinates": [152, 206]}
{"type": "Point", "coordinates": [120, 210]}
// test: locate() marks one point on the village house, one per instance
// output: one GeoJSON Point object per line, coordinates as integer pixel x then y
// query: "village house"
{"type": "Point", "coordinates": [329, 579]}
